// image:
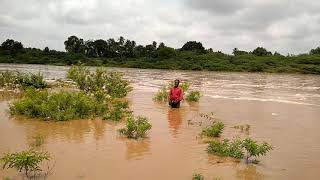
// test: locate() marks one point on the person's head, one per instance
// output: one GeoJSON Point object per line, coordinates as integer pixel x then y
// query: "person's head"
{"type": "Point", "coordinates": [176, 83]}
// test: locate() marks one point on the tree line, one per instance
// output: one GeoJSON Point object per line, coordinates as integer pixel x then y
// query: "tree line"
{"type": "Point", "coordinates": [192, 55]}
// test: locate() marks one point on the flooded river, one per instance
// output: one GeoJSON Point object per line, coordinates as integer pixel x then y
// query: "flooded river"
{"type": "Point", "coordinates": [281, 109]}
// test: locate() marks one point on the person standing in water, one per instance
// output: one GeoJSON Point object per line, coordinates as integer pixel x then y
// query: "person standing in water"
{"type": "Point", "coordinates": [175, 95]}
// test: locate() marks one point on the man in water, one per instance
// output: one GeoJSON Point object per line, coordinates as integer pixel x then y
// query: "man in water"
{"type": "Point", "coordinates": [175, 95]}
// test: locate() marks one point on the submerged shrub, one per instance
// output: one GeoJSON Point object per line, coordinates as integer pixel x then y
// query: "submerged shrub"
{"type": "Point", "coordinates": [136, 127]}
{"type": "Point", "coordinates": [226, 148]}
{"type": "Point", "coordinates": [162, 95]}
{"type": "Point", "coordinates": [111, 83]}
{"type": "Point", "coordinates": [214, 130]}
{"type": "Point", "coordinates": [253, 149]}
{"type": "Point", "coordinates": [26, 161]}
{"type": "Point", "coordinates": [193, 96]}
{"type": "Point", "coordinates": [12, 80]}
{"type": "Point", "coordinates": [117, 111]}
{"type": "Point", "coordinates": [197, 176]}
{"type": "Point", "coordinates": [57, 106]}
{"type": "Point", "coordinates": [37, 140]}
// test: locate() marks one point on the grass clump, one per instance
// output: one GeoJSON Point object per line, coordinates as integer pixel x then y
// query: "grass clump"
{"type": "Point", "coordinates": [162, 95]}
{"type": "Point", "coordinates": [253, 149]}
{"type": "Point", "coordinates": [193, 96]}
{"type": "Point", "coordinates": [197, 176]}
{"type": "Point", "coordinates": [56, 106]}
{"type": "Point", "coordinates": [111, 83]}
{"type": "Point", "coordinates": [136, 127]}
{"type": "Point", "coordinates": [226, 148]}
{"type": "Point", "coordinates": [25, 161]}
{"type": "Point", "coordinates": [214, 130]}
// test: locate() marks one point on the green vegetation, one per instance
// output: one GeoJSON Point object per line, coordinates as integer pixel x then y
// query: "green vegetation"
{"type": "Point", "coordinates": [117, 111]}
{"type": "Point", "coordinates": [111, 83]}
{"type": "Point", "coordinates": [226, 148]}
{"type": "Point", "coordinates": [214, 130]}
{"type": "Point", "coordinates": [197, 176]}
{"type": "Point", "coordinates": [191, 56]}
{"type": "Point", "coordinates": [162, 95]}
{"type": "Point", "coordinates": [193, 96]}
{"type": "Point", "coordinates": [253, 149]}
{"type": "Point", "coordinates": [60, 106]}
{"type": "Point", "coordinates": [37, 140]}
{"type": "Point", "coordinates": [136, 127]}
{"type": "Point", "coordinates": [12, 80]}
{"type": "Point", "coordinates": [25, 161]}
{"type": "Point", "coordinates": [237, 147]}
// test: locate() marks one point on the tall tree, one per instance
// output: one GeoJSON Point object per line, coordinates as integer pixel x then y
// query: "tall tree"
{"type": "Point", "coordinates": [193, 46]}
{"type": "Point", "coordinates": [260, 51]}
{"type": "Point", "coordinates": [12, 46]}
{"type": "Point", "coordinates": [74, 45]}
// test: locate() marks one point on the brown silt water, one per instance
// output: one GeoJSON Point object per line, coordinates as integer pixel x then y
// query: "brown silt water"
{"type": "Point", "coordinates": [281, 109]}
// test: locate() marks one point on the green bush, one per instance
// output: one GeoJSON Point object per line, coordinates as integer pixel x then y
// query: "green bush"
{"type": "Point", "coordinates": [162, 95]}
{"type": "Point", "coordinates": [57, 106]}
{"type": "Point", "coordinates": [193, 96]}
{"type": "Point", "coordinates": [214, 130]}
{"type": "Point", "coordinates": [253, 149]}
{"type": "Point", "coordinates": [136, 127]}
{"type": "Point", "coordinates": [226, 148]}
{"type": "Point", "coordinates": [111, 83]}
{"type": "Point", "coordinates": [8, 79]}
{"type": "Point", "coordinates": [26, 161]}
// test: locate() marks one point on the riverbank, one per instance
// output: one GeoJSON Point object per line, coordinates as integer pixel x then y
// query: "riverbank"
{"type": "Point", "coordinates": [213, 61]}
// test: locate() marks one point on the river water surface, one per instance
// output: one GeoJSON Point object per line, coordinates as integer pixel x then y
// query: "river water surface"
{"type": "Point", "coordinates": [282, 109]}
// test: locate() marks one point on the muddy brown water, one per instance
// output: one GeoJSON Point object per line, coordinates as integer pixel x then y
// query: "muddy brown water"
{"type": "Point", "coordinates": [281, 109]}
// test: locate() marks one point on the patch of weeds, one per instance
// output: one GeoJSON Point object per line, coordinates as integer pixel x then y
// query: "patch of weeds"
{"type": "Point", "coordinates": [226, 148]}
{"type": "Point", "coordinates": [25, 161]}
{"type": "Point", "coordinates": [117, 111]}
{"type": "Point", "coordinates": [111, 83]}
{"type": "Point", "coordinates": [136, 127]}
{"type": "Point", "coordinates": [37, 140]}
{"type": "Point", "coordinates": [253, 149]}
{"type": "Point", "coordinates": [197, 176]}
{"type": "Point", "coordinates": [214, 130]}
{"type": "Point", "coordinates": [162, 95]}
{"type": "Point", "coordinates": [208, 116]}
{"type": "Point", "coordinates": [193, 96]}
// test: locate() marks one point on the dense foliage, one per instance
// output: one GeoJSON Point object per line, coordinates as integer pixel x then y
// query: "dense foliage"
{"type": "Point", "coordinates": [26, 161]}
{"type": "Point", "coordinates": [191, 56]}
{"type": "Point", "coordinates": [12, 80]}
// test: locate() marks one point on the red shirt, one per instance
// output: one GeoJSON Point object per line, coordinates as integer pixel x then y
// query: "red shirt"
{"type": "Point", "coordinates": [176, 94]}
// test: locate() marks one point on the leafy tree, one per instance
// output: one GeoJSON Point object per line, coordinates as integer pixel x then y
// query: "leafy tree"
{"type": "Point", "coordinates": [193, 46]}
{"type": "Point", "coordinates": [74, 45]}
{"type": "Point", "coordinates": [46, 50]}
{"type": "Point", "coordinates": [260, 51]}
{"type": "Point", "coordinates": [166, 52]}
{"type": "Point", "coordinates": [12, 46]}
{"type": "Point", "coordinates": [315, 51]}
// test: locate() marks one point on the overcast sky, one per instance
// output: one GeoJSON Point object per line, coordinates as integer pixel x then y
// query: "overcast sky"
{"type": "Point", "coordinates": [286, 26]}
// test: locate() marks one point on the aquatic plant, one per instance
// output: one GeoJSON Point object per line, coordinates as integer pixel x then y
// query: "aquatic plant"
{"type": "Point", "coordinates": [226, 148]}
{"type": "Point", "coordinates": [253, 149]}
{"type": "Point", "coordinates": [8, 79]}
{"type": "Point", "coordinates": [37, 140]}
{"type": "Point", "coordinates": [214, 130]}
{"type": "Point", "coordinates": [111, 83]}
{"type": "Point", "coordinates": [25, 161]}
{"type": "Point", "coordinates": [136, 127]}
{"type": "Point", "coordinates": [197, 176]}
{"type": "Point", "coordinates": [193, 96]}
{"type": "Point", "coordinates": [162, 95]}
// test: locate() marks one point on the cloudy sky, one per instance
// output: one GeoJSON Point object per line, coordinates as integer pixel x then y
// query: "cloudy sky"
{"type": "Point", "coordinates": [286, 26]}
